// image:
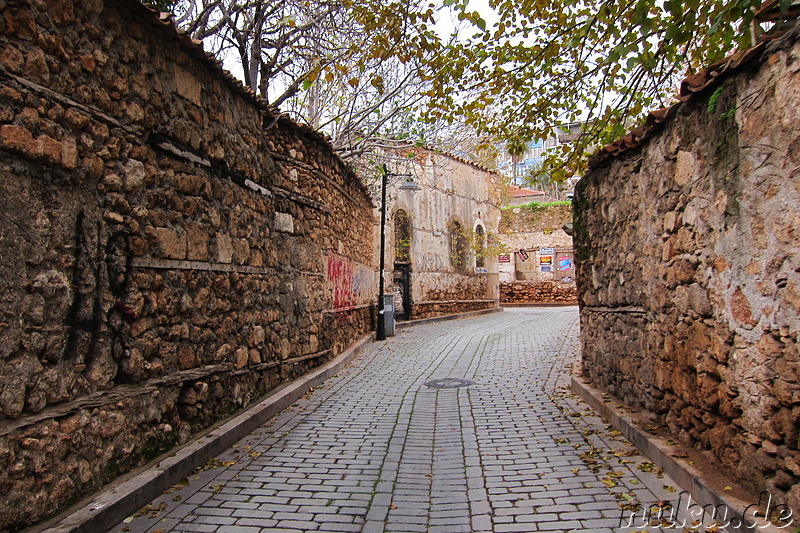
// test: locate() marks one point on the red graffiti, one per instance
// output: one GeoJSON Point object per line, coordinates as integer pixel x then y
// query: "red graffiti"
{"type": "Point", "coordinates": [340, 276]}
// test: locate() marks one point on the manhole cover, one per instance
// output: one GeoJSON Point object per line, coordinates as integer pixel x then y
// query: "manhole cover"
{"type": "Point", "coordinates": [448, 383]}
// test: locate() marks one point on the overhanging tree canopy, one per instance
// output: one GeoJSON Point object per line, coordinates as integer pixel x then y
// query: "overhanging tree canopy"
{"type": "Point", "coordinates": [367, 70]}
{"type": "Point", "coordinates": [549, 62]}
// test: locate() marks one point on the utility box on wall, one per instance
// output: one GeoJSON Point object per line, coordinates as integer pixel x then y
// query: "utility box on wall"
{"type": "Point", "coordinates": [388, 314]}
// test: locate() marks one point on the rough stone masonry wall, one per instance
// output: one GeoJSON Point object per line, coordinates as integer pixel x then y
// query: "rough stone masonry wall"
{"type": "Point", "coordinates": [689, 275]}
{"type": "Point", "coordinates": [168, 252]}
{"type": "Point", "coordinates": [528, 292]}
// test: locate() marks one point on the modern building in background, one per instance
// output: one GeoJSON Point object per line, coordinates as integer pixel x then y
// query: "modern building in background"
{"type": "Point", "coordinates": [537, 150]}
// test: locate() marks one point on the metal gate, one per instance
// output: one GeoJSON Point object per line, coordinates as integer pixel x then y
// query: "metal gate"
{"type": "Point", "coordinates": [402, 291]}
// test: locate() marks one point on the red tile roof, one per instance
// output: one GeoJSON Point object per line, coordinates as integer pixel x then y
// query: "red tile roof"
{"type": "Point", "coordinates": [708, 78]}
{"type": "Point", "coordinates": [522, 191]}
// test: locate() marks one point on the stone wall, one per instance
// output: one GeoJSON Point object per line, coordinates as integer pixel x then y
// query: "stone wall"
{"type": "Point", "coordinates": [169, 250]}
{"type": "Point", "coordinates": [538, 292]}
{"type": "Point", "coordinates": [689, 274]}
{"type": "Point", "coordinates": [529, 229]}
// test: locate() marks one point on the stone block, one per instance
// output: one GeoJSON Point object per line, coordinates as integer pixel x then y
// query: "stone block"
{"type": "Point", "coordinates": [102, 367]}
{"type": "Point", "coordinates": [12, 59]}
{"type": "Point", "coordinates": [241, 251]}
{"type": "Point", "coordinates": [171, 243]}
{"type": "Point", "coordinates": [187, 85]}
{"type": "Point", "coordinates": [256, 336]}
{"type": "Point", "coordinates": [671, 222]}
{"type": "Point", "coordinates": [197, 243]}
{"type": "Point", "coordinates": [35, 68]}
{"type": "Point", "coordinates": [741, 310]}
{"type": "Point", "coordinates": [223, 248]}
{"type": "Point", "coordinates": [284, 222]}
{"type": "Point", "coordinates": [186, 357]}
{"type": "Point", "coordinates": [134, 175]}
{"type": "Point", "coordinates": [684, 167]}
{"type": "Point", "coordinates": [69, 153]}
{"type": "Point", "coordinates": [16, 377]}
{"type": "Point", "coordinates": [241, 356]}
{"type": "Point", "coordinates": [132, 365]}
{"type": "Point", "coordinates": [20, 140]}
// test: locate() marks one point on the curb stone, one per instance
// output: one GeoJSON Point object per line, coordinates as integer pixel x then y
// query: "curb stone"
{"type": "Point", "coordinates": [690, 479]}
{"type": "Point", "coordinates": [444, 318]}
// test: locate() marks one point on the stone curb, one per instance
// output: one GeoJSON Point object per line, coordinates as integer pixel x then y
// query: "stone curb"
{"type": "Point", "coordinates": [124, 497]}
{"type": "Point", "coordinates": [443, 318]}
{"type": "Point", "coordinates": [689, 479]}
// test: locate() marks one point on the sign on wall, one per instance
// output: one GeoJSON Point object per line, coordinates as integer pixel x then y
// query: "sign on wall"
{"type": "Point", "coordinates": [504, 258]}
{"type": "Point", "coordinates": [564, 263]}
{"type": "Point", "coordinates": [546, 263]}
{"type": "Point", "coordinates": [523, 254]}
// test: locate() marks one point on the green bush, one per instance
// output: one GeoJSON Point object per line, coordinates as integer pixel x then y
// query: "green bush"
{"type": "Point", "coordinates": [536, 206]}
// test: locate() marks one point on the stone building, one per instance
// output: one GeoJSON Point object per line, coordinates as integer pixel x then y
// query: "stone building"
{"type": "Point", "coordinates": [686, 239]}
{"type": "Point", "coordinates": [536, 265]}
{"type": "Point", "coordinates": [171, 249]}
{"type": "Point", "coordinates": [537, 247]}
{"type": "Point", "coordinates": [438, 245]}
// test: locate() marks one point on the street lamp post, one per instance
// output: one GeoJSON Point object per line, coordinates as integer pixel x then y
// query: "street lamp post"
{"type": "Point", "coordinates": [380, 333]}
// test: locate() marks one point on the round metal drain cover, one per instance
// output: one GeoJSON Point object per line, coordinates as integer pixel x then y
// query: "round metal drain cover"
{"type": "Point", "coordinates": [448, 383]}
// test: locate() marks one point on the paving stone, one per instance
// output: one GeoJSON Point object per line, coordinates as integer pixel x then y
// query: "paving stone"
{"type": "Point", "coordinates": [238, 529]}
{"type": "Point", "coordinates": [215, 520]}
{"type": "Point", "coordinates": [256, 522]}
{"type": "Point", "coordinates": [376, 451]}
{"type": "Point", "coordinates": [298, 524]}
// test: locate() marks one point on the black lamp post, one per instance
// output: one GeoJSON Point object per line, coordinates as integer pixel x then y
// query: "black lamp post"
{"type": "Point", "coordinates": [380, 333]}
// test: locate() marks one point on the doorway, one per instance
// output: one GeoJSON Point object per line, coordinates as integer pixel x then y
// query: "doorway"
{"type": "Point", "coordinates": [402, 291]}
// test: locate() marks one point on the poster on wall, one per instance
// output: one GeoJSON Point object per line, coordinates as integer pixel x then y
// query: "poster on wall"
{"type": "Point", "coordinates": [523, 255]}
{"type": "Point", "coordinates": [504, 258]}
{"type": "Point", "coordinates": [546, 263]}
{"type": "Point", "coordinates": [564, 263]}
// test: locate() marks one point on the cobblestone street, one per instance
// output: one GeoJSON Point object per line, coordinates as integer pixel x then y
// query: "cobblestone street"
{"type": "Point", "coordinates": [375, 449]}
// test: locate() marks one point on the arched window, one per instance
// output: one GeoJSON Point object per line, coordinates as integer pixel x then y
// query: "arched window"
{"type": "Point", "coordinates": [480, 247]}
{"type": "Point", "coordinates": [458, 245]}
{"type": "Point", "coordinates": [402, 237]}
